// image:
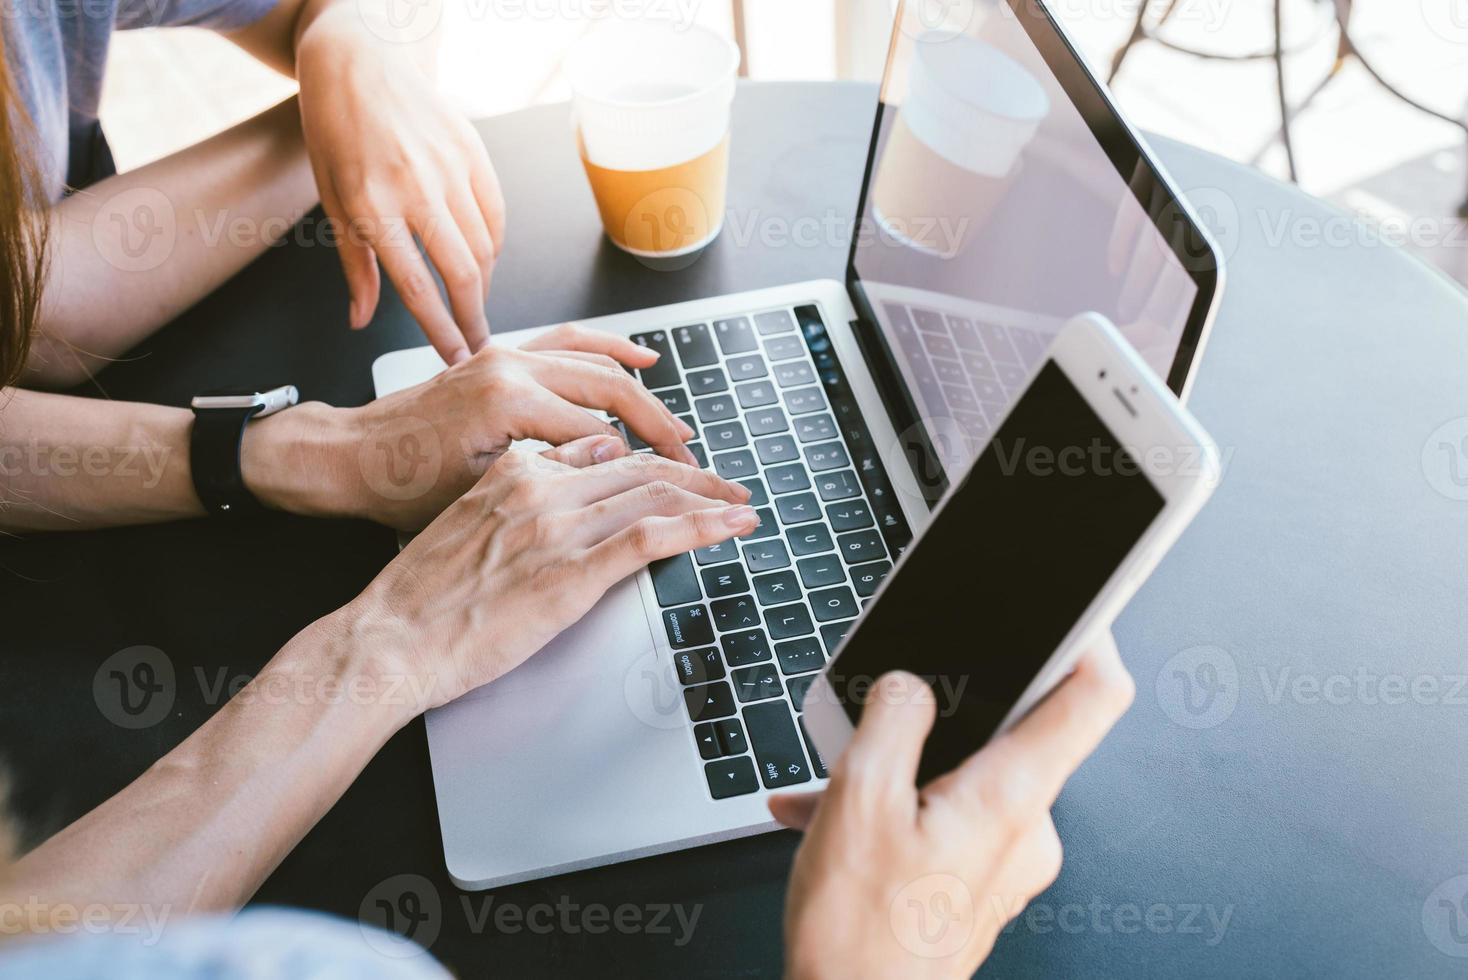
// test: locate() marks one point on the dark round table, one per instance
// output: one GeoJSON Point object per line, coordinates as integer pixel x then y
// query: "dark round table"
{"type": "Point", "coordinates": [1286, 798]}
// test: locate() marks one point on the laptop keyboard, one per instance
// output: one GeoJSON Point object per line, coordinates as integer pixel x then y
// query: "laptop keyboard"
{"type": "Point", "coordinates": [751, 621]}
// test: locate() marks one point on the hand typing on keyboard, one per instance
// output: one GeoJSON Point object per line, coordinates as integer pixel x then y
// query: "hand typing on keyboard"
{"type": "Point", "coordinates": [526, 553]}
{"type": "Point", "coordinates": [402, 459]}
{"type": "Point", "coordinates": [896, 881]}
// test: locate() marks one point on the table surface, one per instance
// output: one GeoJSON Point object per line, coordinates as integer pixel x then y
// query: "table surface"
{"type": "Point", "coordinates": [1285, 798]}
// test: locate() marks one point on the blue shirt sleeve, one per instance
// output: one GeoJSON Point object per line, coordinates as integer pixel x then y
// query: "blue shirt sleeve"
{"type": "Point", "coordinates": [219, 15]}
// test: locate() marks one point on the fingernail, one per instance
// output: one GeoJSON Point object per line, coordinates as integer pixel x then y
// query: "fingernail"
{"type": "Point", "coordinates": [685, 429]}
{"type": "Point", "coordinates": [737, 517]}
{"type": "Point", "coordinates": [688, 457]}
{"type": "Point", "coordinates": [742, 491]}
{"type": "Point", "coordinates": [605, 450]}
{"type": "Point", "coordinates": [460, 356]}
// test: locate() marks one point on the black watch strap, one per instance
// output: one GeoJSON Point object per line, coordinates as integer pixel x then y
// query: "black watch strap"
{"type": "Point", "coordinates": [214, 458]}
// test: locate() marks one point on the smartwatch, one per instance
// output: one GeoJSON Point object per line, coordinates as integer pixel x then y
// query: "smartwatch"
{"type": "Point", "coordinates": [214, 446]}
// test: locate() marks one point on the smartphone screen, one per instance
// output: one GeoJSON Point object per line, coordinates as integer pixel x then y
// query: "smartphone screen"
{"type": "Point", "coordinates": [1005, 569]}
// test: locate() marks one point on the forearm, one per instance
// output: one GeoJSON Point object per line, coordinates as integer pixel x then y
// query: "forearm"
{"type": "Point", "coordinates": [77, 463]}
{"type": "Point", "coordinates": [202, 828]}
{"type": "Point", "coordinates": [276, 38]}
{"type": "Point", "coordinates": [132, 252]}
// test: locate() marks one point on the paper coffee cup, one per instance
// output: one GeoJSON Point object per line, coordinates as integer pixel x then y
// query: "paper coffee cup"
{"type": "Point", "coordinates": [651, 102]}
{"type": "Point", "coordinates": [956, 143]}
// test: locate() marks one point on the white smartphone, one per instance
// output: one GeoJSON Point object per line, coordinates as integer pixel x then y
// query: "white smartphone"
{"type": "Point", "coordinates": [1091, 476]}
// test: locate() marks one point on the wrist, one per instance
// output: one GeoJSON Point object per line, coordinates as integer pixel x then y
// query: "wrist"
{"type": "Point", "coordinates": [340, 32]}
{"type": "Point", "coordinates": [301, 461]}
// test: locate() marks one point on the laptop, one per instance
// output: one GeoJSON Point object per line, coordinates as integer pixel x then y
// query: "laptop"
{"type": "Point", "coordinates": [1003, 194]}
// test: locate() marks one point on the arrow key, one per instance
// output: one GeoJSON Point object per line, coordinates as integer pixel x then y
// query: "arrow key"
{"type": "Point", "coordinates": [731, 777]}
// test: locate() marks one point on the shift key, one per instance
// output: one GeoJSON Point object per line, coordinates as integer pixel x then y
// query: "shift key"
{"type": "Point", "coordinates": [781, 762]}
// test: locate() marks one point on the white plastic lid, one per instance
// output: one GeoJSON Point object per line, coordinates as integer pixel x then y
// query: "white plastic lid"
{"type": "Point", "coordinates": [971, 103]}
{"type": "Point", "coordinates": [649, 94]}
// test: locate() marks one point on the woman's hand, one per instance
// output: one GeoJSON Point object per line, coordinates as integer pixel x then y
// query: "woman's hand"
{"type": "Point", "coordinates": [393, 160]}
{"type": "Point", "coordinates": [527, 552]}
{"type": "Point", "coordinates": [402, 459]}
{"type": "Point", "coordinates": [895, 881]}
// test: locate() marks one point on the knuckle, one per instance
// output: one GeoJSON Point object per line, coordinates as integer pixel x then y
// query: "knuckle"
{"type": "Point", "coordinates": [544, 531]}
{"type": "Point", "coordinates": [1008, 794]}
{"type": "Point", "coordinates": [642, 539]}
{"type": "Point", "coordinates": [461, 275]}
{"type": "Point", "coordinates": [661, 494]}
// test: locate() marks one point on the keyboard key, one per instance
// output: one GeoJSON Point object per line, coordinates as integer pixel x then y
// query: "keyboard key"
{"type": "Point", "coordinates": [757, 683]}
{"type": "Point", "coordinates": [965, 333]}
{"type": "Point", "coordinates": [716, 409]}
{"type": "Point", "coordinates": [798, 508]}
{"type": "Point", "coordinates": [804, 400]}
{"type": "Point", "coordinates": [819, 572]}
{"type": "Point", "coordinates": [731, 736]}
{"type": "Point", "coordinates": [776, 587]}
{"type": "Point", "coordinates": [776, 449]}
{"type": "Point", "coordinates": [725, 435]}
{"type": "Point", "coordinates": [778, 321]}
{"type": "Point", "coordinates": [747, 367]}
{"type": "Point", "coordinates": [732, 466]}
{"type": "Point", "coordinates": [783, 348]}
{"type": "Point", "coordinates": [817, 764]}
{"type": "Point", "coordinates": [730, 777]}
{"type": "Point", "coordinates": [756, 394]}
{"type": "Point", "coordinates": [674, 581]}
{"type": "Point", "coordinates": [810, 539]}
{"type": "Point", "coordinates": [948, 372]}
{"type": "Point", "coordinates": [695, 346]}
{"type": "Point", "coordinates": [788, 479]}
{"type": "Point", "coordinates": [664, 373]}
{"type": "Point", "coordinates": [927, 320]}
{"type": "Point", "coordinates": [776, 744]}
{"type": "Point", "coordinates": [715, 553]}
{"type": "Point", "coordinates": [832, 634]}
{"type": "Point", "coordinates": [815, 428]}
{"type": "Point", "coordinates": [766, 421]}
{"type": "Point", "coordinates": [787, 621]}
{"type": "Point", "coordinates": [838, 486]}
{"type": "Point", "coordinates": [676, 400]}
{"type": "Point", "coordinates": [766, 528]}
{"type": "Point", "coordinates": [861, 546]}
{"type": "Point", "coordinates": [743, 649]}
{"type": "Point", "coordinates": [800, 656]}
{"type": "Point", "coordinates": [706, 702]}
{"type": "Point", "coordinates": [707, 382]}
{"type": "Point", "coordinates": [739, 613]}
{"type": "Point", "coordinates": [792, 373]}
{"type": "Point", "coordinates": [941, 346]}
{"type": "Point", "coordinates": [832, 604]}
{"type": "Point", "coordinates": [724, 580]}
{"type": "Point", "coordinates": [1013, 376]}
{"type": "Point", "coordinates": [996, 342]}
{"type": "Point", "coordinates": [698, 666]}
{"type": "Point", "coordinates": [735, 336]}
{"type": "Point", "coordinates": [699, 454]}
{"type": "Point", "coordinates": [850, 515]}
{"type": "Point", "coordinates": [708, 740]}
{"type": "Point", "coordinates": [757, 495]}
{"type": "Point", "coordinates": [826, 456]}
{"type": "Point", "coordinates": [799, 687]}
{"type": "Point", "coordinates": [867, 578]}
{"type": "Point", "coordinates": [766, 556]}
{"type": "Point", "coordinates": [688, 626]}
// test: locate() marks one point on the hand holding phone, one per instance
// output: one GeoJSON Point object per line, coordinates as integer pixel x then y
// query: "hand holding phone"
{"type": "Point", "coordinates": [892, 880]}
{"type": "Point", "coordinates": [1089, 479]}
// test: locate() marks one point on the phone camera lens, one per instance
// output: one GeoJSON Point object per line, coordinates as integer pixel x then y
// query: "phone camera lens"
{"type": "Point", "coordinates": [1101, 374]}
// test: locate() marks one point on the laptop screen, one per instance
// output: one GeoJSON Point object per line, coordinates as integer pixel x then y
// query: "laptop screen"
{"type": "Point", "coordinates": [996, 208]}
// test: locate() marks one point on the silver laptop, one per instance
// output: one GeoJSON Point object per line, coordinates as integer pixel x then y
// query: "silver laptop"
{"type": "Point", "coordinates": [1003, 195]}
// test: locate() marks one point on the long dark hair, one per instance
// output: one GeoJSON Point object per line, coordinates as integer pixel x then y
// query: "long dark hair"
{"type": "Point", "coordinates": [23, 231]}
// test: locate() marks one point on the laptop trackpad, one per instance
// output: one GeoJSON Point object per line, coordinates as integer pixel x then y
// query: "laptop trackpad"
{"type": "Point", "coordinates": [610, 639]}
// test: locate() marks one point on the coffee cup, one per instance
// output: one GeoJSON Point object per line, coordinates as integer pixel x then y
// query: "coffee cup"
{"type": "Point", "coordinates": [651, 102]}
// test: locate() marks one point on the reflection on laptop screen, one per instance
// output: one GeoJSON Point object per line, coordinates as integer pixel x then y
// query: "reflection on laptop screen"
{"type": "Point", "coordinates": [992, 216]}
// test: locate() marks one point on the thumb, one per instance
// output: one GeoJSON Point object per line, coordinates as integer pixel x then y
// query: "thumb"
{"type": "Point", "coordinates": [795, 810]}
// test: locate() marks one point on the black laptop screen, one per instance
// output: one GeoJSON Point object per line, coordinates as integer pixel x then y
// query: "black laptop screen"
{"type": "Point", "coordinates": [995, 210]}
